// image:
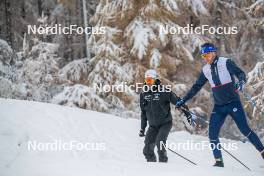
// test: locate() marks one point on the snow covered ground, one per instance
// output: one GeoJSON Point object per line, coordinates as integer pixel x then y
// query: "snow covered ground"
{"type": "Point", "coordinates": [23, 121]}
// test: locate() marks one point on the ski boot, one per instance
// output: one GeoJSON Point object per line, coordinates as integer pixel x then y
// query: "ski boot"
{"type": "Point", "coordinates": [163, 156]}
{"type": "Point", "coordinates": [219, 162]}
{"type": "Point", "coordinates": [152, 158]}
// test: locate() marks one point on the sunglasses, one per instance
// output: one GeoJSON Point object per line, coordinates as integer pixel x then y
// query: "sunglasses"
{"type": "Point", "coordinates": [149, 80]}
{"type": "Point", "coordinates": [205, 56]}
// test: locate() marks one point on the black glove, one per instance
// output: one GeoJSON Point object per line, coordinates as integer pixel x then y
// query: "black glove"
{"type": "Point", "coordinates": [179, 103]}
{"type": "Point", "coordinates": [239, 86]}
{"type": "Point", "coordinates": [189, 117]}
{"type": "Point", "coordinates": [141, 133]}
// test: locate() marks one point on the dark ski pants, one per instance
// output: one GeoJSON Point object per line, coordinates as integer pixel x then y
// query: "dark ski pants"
{"type": "Point", "coordinates": [154, 136]}
{"type": "Point", "coordinates": [218, 116]}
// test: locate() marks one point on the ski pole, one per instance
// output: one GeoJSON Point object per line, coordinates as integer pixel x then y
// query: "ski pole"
{"type": "Point", "coordinates": [253, 102]}
{"type": "Point", "coordinates": [235, 158]}
{"type": "Point", "coordinates": [249, 98]}
{"type": "Point", "coordinates": [184, 108]}
{"type": "Point", "coordinates": [182, 156]}
{"type": "Point", "coordinates": [207, 122]}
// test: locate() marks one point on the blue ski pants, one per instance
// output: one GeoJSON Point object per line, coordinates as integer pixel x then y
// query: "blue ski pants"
{"type": "Point", "coordinates": [218, 116]}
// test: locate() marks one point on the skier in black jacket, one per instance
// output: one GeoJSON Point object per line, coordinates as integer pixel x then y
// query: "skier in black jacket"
{"type": "Point", "coordinates": [155, 108]}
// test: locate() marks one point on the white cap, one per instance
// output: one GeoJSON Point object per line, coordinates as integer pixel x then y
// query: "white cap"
{"type": "Point", "coordinates": [151, 73]}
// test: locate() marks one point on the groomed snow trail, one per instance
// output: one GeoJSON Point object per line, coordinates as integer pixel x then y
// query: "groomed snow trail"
{"type": "Point", "coordinates": [24, 121]}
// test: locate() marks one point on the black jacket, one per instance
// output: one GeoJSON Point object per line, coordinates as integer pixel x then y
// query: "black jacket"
{"type": "Point", "coordinates": [155, 106]}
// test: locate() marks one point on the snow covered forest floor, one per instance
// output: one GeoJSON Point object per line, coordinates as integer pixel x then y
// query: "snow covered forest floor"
{"type": "Point", "coordinates": [22, 121]}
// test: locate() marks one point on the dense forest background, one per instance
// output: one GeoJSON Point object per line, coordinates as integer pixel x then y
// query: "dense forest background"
{"type": "Point", "coordinates": [57, 68]}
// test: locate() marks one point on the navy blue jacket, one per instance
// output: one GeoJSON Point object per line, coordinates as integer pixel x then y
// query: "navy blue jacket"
{"type": "Point", "coordinates": [220, 75]}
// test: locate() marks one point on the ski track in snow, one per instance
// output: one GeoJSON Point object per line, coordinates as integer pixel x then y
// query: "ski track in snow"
{"type": "Point", "coordinates": [22, 121]}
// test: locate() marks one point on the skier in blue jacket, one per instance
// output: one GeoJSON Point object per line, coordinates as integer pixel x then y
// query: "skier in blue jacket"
{"type": "Point", "coordinates": [220, 72]}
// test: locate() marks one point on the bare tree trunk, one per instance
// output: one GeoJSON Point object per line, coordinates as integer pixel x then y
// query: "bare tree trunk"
{"type": "Point", "coordinates": [40, 7]}
{"type": "Point", "coordinates": [69, 37]}
{"type": "Point", "coordinates": [8, 22]}
{"type": "Point", "coordinates": [88, 55]}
